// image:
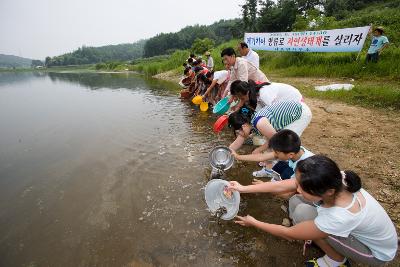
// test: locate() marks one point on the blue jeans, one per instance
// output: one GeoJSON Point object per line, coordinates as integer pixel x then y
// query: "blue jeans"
{"type": "Point", "coordinates": [282, 167]}
{"type": "Point", "coordinates": [372, 57]}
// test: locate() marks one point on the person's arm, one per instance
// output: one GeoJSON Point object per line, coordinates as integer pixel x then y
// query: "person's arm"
{"type": "Point", "coordinates": [303, 231]}
{"type": "Point", "coordinates": [383, 47]}
{"type": "Point", "coordinates": [277, 187]}
{"type": "Point", "coordinates": [226, 90]}
{"type": "Point", "coordinates": [237, 143]}
{"type": "Point", "coordinates": [261, 148]}
{"type": "Point", "coordinates": [212, 85]}
{"type": "Point", "coordinates": [254, 157]}
{"type": "Point", "coordinates": [237, 106]}
{"type": "Point", "coordinates": [265, 128]}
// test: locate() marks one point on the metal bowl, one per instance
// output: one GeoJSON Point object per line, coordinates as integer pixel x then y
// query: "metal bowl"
{"type": "Point", "coordinates": [221, 158]}
{"type": "Point", "coordinates": [216, 199]}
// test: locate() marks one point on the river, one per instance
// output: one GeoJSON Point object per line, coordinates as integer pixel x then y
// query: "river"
{"type": "Point", "coordinates": [109, 170]}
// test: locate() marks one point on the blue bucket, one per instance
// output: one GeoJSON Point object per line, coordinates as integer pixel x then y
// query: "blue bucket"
{"type": "Point", "coordinates": [222, 106]}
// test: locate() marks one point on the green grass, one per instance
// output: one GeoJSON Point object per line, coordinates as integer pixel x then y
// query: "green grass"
{"type": "Point", "coordinates": [331, 64]}
{"type": "Point", "coordinates": [366, 95]}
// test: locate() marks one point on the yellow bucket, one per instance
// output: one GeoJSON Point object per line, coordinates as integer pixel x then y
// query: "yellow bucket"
{"type": "Point", "coordinates": [197, 100]}
{"type": "Point", "coordinates": [204, 106]}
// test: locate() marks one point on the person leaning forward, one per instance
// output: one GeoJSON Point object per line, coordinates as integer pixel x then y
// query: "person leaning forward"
{"type": "Point", "coordinates": [241, 69]}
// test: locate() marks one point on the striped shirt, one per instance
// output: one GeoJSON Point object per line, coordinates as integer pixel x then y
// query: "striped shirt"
{"type": "Point", "coordinates": [279, 114]}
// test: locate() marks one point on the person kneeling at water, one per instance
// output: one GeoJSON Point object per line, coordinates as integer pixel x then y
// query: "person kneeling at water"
{"type": "Point", "coordinates": [267, 121]}
{"type": "Point", "coordinates": [333, 211]}
{"type": "Point", "coordinates": [286, 147]}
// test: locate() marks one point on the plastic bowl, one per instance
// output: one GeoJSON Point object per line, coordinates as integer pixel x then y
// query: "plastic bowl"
{"type": "Point", "coordinates": [197, 100]}
{"type": "Point", "coordinates": [215, 198]}
{"type": "Point", "coordinates": [222, 106]}
{"type": "Point", "coordinates": [220, 123]}
{"type": "Point", "coordinates": [204, 106]}
{"type": "Point", "coordinates": [221, 158]}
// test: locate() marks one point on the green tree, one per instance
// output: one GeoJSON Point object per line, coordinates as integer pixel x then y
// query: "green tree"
{"type": "Point", "coordinates": [305, 5]}
{"type": "Point", "coordinates": [47, 61]}
{"type": "Point", "coordinates": [249, 14]}
{"type": "Point", "coordinates": [36, 63]}
{"type": "Point", "coordinates": [200, 46]}
{"type": "Point", "coordinates": [278, 17]}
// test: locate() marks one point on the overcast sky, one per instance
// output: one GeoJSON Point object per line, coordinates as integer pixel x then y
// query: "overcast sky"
{"type": "Point", "coordinates": [39, 28]}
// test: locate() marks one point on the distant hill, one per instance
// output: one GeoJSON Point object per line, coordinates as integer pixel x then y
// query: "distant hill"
{"type": "Point", "coordinates": [93, 55]}
{"type": "Point", "coordinates": [219, 32]}
{"type": "Point", "coordinates": [9, 61]}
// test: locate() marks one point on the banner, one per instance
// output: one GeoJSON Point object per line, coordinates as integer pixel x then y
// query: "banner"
{"type": "Point", "coordinates": [339, 40]}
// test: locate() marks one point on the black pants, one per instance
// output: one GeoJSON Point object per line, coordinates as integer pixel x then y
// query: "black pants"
{"type": "Point", "coordinates": [282, 167]}
{"type": "Point", "coordinates": [372, 57]}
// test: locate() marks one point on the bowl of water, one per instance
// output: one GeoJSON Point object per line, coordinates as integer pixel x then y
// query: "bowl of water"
{"type": "Point", "coordinates": [222, 106]}
{"type": "Point", "coordinates": [221, 158]}
{"type": "Point", "coordinates": [221, 201]}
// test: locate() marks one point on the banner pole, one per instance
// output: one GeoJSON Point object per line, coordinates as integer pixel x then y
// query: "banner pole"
{"type": "Point", "coordinates": [359, 52]}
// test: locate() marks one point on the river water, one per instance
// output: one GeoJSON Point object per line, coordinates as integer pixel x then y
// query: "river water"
{"type": "Point", "coordinates": [109, 170]}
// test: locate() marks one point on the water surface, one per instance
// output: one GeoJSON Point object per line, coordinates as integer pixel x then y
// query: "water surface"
{"type": "Point", "coordinates": [109, 170]}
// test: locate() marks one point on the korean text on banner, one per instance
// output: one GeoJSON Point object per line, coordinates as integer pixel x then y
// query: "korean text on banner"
{"type": "Point", "coordinates": [338, 40]}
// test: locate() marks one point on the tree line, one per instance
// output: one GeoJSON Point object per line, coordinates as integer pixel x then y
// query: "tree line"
{"type": "Point", "coordinates": [288, 15]}
{"type": "Point", "coordinates": [219, 32]}
{"type": "Point", "coordinates": [93, 55]}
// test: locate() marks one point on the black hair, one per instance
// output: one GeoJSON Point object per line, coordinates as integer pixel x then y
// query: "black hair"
{"type": "Point", "coordinates": [197, 69]}
{"type": "Point", "coordinates": [285, 141]}
{"type": "Point", "coordinates": [186, 71]}
{"type": "Point", "coordinates": [243, 45]}
{"type": "Point", "coordinates": [319, 173]}
{"type": "Point", "coordinates": [184, 64]}
{"type": "Point", "coordinates": [228, 52]}
{"type": "Point", "coordinates": [196, 62]}
{"type": "Point", "coordinates": [192, 55]}
{"type": "Point", "coordinates": [250, 88]}
{"type": "Point", "coordinates": [190, 60]}
{"type": "Point", "coordinates": [240, 117]}
{"type": "Point", "coordinates": [204, 78]}
{"type": "Point", "coordinates": [379, 30]}
{"type": "Point", "coordinates": [209, 74]}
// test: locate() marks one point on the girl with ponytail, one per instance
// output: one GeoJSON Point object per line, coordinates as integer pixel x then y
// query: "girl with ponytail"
{"type": "Point", "coordinates": [334, 211]}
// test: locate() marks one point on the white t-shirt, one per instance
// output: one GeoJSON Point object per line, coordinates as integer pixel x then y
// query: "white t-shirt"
{"type": "Point", "coordinates": [293, 164]}
{"type": "Point", "coordinates": [210, 63]}
{"type": "Point", "coordinates": [253, 58]}
{"type": "Point", "coordinates": [371, 226]}
{"type": "Point", "coordinates": [278, 92]}
{"type": "Point", "coordinates": [221, 76]}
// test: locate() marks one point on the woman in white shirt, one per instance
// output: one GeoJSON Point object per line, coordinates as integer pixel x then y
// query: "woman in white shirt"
{"type": "Point", "coordinates": [333, 211]}
{"type": "Point", "coordinates": [219, 80]}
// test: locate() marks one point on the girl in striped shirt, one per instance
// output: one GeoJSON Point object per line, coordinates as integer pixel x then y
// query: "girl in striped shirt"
{"type": "Point", "coordinates": [267, 121]}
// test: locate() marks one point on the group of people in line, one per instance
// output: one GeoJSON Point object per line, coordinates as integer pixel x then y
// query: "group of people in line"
{"type": "Point", "coordinates": [327, 206]}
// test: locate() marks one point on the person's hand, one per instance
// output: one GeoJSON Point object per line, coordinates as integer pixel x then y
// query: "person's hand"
{"type": "Point", "coordinates": [256, 181]}
{"type": "Point", "coordinates": [234, 154]}
{"type": "Point", "coordinates": [246, 220]}
{"type": "Point", "coordinates": [235, 186]}
{"type": "Point", "coordinates": [235, 108]}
